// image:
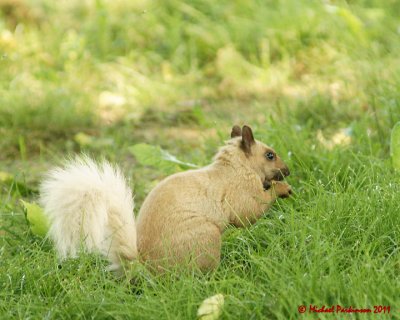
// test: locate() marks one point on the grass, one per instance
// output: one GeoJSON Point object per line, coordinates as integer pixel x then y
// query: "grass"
{"type": "Point", "coordinates": [317, 81]}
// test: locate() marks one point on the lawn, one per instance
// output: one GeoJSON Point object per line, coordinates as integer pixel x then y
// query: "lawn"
{"type": "Point", "coordinates": [317, 80]}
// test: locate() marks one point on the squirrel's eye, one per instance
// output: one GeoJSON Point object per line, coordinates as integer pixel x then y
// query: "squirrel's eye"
{"type": "Point", "coordinates": [270, 155]}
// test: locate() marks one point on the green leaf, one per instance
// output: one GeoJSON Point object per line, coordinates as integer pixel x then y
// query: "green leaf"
{"type": "Point", "coordinates": [154, 156]}
{"type": "Point", "coordinates": [37, 220]}
{"type": "Point", "coordinates": [395, 146]}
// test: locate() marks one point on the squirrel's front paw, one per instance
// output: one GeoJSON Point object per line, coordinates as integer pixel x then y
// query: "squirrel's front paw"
{"type": "Point", "coordinates": [282, 189]}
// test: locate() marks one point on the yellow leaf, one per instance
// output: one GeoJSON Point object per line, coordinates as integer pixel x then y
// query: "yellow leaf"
{"type": "Point", "coordinates": [5, 176]}
{"type": "Point", "coordinates": [211, 308]}
{"type": "Point", "coordinates": [83, 139]}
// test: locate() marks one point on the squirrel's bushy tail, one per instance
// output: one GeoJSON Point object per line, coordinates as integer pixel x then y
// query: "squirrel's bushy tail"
{"type": "Point", "coordinates": [90, 207]}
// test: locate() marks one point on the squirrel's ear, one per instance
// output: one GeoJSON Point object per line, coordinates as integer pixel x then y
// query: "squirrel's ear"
{"type": "Point", "coordinates": [247, 139]}
{"type": "Point", "coordinates": [236, 132]}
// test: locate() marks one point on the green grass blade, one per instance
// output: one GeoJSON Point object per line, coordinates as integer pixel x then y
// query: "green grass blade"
{"type": "Point", "coordinates": [395, 146]}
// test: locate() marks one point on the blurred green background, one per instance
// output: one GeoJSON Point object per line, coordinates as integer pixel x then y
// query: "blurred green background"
{"type": "Point", "coordinates": [93, 66]}
{"type": "Point", "coordinates": [317, 80]}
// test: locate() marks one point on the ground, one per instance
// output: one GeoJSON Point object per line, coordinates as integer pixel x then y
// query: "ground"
{"type": "Point", "coordinates": [316, 80]}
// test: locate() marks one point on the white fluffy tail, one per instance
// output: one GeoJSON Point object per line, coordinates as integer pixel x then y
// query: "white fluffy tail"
{"type": "Point", "coordinates": [90, 206]}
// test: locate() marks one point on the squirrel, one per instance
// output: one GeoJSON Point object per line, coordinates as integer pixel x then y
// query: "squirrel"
{"type": "Point", "coordinates": [90, 206]}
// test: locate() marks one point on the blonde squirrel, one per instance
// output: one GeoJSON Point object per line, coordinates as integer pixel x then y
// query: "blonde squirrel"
{"type": "Point", "coordinates": [181, 221]}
